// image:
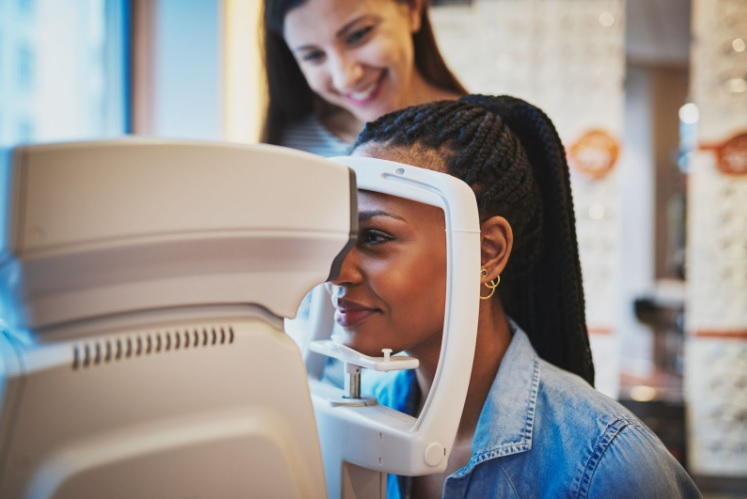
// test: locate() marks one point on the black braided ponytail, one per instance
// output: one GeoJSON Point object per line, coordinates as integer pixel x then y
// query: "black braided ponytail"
{"type": "Point", "coordinates": [509, 152]}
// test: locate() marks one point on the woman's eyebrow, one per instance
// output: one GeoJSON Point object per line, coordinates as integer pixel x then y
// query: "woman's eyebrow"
{"type": "Point", "coordinates": [340, 34]}
{"type": "Point", "coordinates": [350, 25]}
{"type": "Point", "coordinates": [367, 215]}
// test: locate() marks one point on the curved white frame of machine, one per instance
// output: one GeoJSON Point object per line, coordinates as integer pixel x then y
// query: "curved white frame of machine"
{"type": "Point", "coordinates": [362, 442]}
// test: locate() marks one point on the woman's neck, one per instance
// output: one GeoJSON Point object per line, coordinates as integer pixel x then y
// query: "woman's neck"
{"type": "Point", "coordinates": [422, 92]}
{"type": "Point", "coordinates": [492, 344]}
{"type": "Point", "coordinates": [493, 338]}
{"type": "Point", "coordinates": [341, 123]}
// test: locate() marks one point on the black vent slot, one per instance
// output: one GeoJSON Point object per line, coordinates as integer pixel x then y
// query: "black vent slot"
{"type": "Point", "coordinates": [107, 351]}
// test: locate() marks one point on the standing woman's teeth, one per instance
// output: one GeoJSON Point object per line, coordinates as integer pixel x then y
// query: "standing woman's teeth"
{"type": "Point", "coordinates": [365, 93]}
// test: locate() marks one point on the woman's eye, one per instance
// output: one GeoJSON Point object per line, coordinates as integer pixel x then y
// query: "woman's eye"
{"type": "Point", "coordinates": [312, 56]}
{"type": "Point", "coordinates": [374, 237]}
{"type": "Point", "coordinates": [358, 35]}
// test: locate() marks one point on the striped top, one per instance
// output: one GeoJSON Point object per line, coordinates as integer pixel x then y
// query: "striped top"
{"type": "Point", "coordinates": [310, 135]}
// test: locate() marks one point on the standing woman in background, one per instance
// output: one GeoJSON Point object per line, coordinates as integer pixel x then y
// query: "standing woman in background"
{"type": "Point", "coordinates": [332, 65]}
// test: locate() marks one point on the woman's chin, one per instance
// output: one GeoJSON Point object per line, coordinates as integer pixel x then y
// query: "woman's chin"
{"type": "Point", "coordinates": [373, 111]}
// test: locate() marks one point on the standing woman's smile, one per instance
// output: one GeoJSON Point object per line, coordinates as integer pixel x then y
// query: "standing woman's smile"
{"type": "Point", "coordinates": [332, 65]}
{"type": "Point", "coordinates": [358, 55]}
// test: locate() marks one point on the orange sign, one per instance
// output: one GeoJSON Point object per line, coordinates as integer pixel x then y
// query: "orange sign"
{"type": "Point", "coordinates": [595, 153]}
{"type": "Point", "coordinates": [731, 156]}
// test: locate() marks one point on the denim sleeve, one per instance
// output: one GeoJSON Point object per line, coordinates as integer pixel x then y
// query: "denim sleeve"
{"type": "Point", "coordinates": [630, 461]}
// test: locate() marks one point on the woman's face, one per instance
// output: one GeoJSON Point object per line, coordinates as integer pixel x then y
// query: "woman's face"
{"type": "Point", "coordinates": [356, 54]}
{"type": "Point", "coordinates": [392, 285]}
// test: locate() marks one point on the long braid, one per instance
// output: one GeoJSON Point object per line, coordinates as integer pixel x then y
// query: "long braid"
{"type": "Point", "coordinates": [558, 272]}
{"type": "Point", "coordinates": [509, 152]}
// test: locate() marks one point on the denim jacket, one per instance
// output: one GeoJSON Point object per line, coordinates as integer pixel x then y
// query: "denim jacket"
{"type": "Point", "coordinates": [544, 432]}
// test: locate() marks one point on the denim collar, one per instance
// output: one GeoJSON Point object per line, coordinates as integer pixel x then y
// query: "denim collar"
{"type": "Point", "coordinates": [510, 405]}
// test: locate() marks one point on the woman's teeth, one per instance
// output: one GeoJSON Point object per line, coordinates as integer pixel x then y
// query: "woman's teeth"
{"type": "Point", "coordinates": [365, 93]}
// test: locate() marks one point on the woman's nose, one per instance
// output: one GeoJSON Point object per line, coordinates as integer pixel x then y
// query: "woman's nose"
{"type": "Point", "coordinates": [350, 272]}
{"type": "Point", "coordinates": [346, 72]}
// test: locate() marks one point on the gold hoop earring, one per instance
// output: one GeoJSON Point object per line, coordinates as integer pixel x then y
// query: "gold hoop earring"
{"type": "Point", "coordinates": [492, 285]}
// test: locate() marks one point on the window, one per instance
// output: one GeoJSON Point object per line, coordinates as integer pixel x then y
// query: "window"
{"type": "Point", "coordinates": [25, 131]}
{"type": "Point", "coordinates": [26, 7]}
{"type": "Point", "coordinates": [63, 70]}
{"type": "Point", "coordinates": [25, 68]}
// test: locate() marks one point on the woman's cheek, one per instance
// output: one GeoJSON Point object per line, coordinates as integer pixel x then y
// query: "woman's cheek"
{"type": "Point", "coordinates": [315, 78]}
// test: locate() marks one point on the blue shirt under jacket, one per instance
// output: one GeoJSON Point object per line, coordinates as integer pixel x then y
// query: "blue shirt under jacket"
{"type": "Point", "coordinates": [546, 433]}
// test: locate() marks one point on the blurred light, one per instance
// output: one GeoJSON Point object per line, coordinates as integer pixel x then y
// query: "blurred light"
{"type": "Point", "coordinates": [738, 45]}
{"type": "Point", "coordinates": [736, 85]}
{"type": "Point", "coordinates": [689, 113]}
{"type": "Point", "coordinates": [643, 393]}
{"type": "Point", "coordinates": [606, 19]}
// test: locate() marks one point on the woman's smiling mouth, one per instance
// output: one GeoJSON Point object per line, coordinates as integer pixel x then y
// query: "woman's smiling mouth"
{"type": "Point", "coordinates": [348, 313]}
{"type": "Point", "coordinates": [366, 95]}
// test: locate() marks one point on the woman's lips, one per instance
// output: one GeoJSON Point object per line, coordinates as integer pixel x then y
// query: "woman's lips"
{"type": "Point", "coordinates": [348, 314]}
{"type": "Point", "coordinates": [366, 95]}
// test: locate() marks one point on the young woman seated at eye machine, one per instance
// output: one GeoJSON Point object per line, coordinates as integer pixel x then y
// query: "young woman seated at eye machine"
{"type": "Point", "coordinates": [532, 424]}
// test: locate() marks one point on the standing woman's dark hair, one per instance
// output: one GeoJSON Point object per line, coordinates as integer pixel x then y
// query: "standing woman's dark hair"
{"type": "Point", "coordinates": [289, 96]}
{"type": "Point", "coordinates": [509, 152]}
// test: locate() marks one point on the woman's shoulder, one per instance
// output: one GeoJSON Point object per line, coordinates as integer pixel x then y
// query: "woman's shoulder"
{"type": "Point", "coordinates": [630, 462]}
{"type": "Point", "coordinates": [308, 134]}
{"type": "Point", "coordinates": [565, 391]}
{"type": "Point", "coordinates": [615, 453]}
{"type": "Point", "coordinates": [569, 409]}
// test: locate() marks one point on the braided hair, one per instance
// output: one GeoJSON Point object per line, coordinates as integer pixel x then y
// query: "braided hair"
{"type": "Point", "coordinates": [509, 152]}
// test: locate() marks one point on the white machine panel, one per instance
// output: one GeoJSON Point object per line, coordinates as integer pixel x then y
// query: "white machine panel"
{"type": "Point", "coordinates": [109, 227]}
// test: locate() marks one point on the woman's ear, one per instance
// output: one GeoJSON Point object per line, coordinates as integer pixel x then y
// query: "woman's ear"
{"type": "Point", "coordinates": [496, 242]}
{"type": "Point", "coordinates": [416, 15]}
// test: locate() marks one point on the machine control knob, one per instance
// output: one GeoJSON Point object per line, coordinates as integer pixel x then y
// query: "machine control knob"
{"type": "Point", "coordinates": [434, 454]}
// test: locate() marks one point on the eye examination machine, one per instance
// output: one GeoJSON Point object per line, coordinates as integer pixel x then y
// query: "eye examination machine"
{"type": "Point", "coordinates": [146, 289]}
